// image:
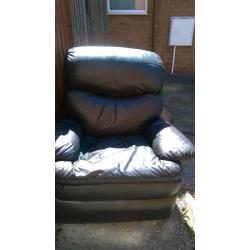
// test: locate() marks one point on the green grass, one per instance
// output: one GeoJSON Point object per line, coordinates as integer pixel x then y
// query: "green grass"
{"type": "Point", "coordinates": [163, 92]}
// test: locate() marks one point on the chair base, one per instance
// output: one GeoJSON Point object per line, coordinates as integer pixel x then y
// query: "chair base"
{"type": "Point", "coordinates": [113, 210]}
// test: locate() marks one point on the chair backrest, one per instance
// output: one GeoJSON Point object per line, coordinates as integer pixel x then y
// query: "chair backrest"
{"type": "Point", "coordinates": [113, 90]}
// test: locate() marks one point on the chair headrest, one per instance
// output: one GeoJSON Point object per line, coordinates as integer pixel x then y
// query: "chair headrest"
{"type": "Point", "coordinates": [113, 71]}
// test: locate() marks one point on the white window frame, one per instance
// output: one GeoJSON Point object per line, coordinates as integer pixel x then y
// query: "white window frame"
{"type": "Point", "coordinates": [127, 12]}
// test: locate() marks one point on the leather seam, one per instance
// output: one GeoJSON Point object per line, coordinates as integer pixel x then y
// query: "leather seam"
{"type": "Point", "coordinates": [100, 181]}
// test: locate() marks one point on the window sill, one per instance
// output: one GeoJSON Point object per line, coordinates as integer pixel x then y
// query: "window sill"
{"type": "Point", "coordinates": [126, 13]}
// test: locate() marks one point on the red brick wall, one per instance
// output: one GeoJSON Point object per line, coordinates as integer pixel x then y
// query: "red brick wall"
{"type": "Point", "coordinates": [133, 31]}
{"type": "Point", "coordinates": [136, 31]}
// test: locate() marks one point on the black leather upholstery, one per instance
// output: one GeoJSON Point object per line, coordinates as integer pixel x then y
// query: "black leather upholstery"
{"type": "Point", "coordinates": [100, 115]}
{"type": "Point", "coordinates": [114, 71]}
{"type": "Point", "coordinates": [149, 189]}
{"type": "Point", "coordinates": [115, 158]}
{"type": "Point", "coordinates": [113, 210]}
{"type": "Point", "coordinates": [68, 137]}
{"type": "Point", "coordinates": [178, 148]}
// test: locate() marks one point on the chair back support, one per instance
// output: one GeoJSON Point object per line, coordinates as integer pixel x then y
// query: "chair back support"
{"type": "Point", "coordinates": [113, 90]}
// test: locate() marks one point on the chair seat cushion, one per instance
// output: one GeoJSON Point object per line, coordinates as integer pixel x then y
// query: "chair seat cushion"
{"type": "Point", "coordinates": [116, 159]}
{"type": "Point", "coordinates": [119, 167]}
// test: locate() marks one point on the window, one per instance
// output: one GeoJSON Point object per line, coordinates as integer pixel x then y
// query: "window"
{"type": "Point", "coordinates": [127, 7]}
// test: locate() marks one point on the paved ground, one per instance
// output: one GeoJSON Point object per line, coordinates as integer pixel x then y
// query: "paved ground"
{"type": "Point", "coordinates": [169, 234]}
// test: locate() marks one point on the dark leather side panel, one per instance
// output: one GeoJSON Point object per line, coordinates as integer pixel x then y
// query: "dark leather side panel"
{"type": "Point", "coordinates": [117, 191]}
{"type": "Point", "coordinates": [119, 210]}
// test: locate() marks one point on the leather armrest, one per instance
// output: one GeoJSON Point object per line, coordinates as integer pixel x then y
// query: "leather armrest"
{"type": "Point", "coordinates": [67, 140]}
{"type": "Point", "coordinates": [168, 143]}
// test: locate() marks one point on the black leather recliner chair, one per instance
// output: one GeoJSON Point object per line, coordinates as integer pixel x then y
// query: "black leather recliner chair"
{"type": "Point", "coordinates": [116, 158]}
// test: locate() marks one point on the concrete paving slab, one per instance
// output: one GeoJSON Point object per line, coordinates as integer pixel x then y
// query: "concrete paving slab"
{"type": "Point", "coordinates": [169, 234]}
{"type": "Point", "coordinates": [179, 100]}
